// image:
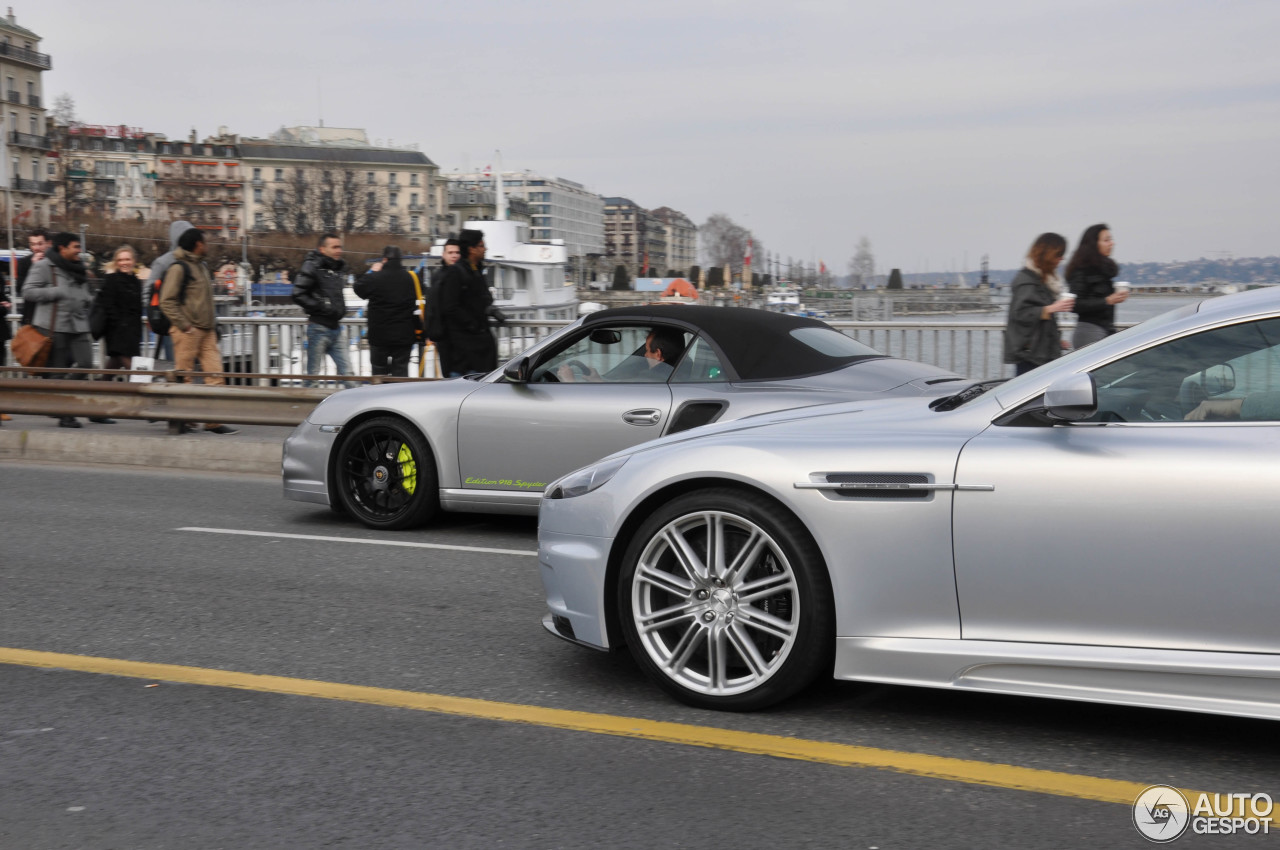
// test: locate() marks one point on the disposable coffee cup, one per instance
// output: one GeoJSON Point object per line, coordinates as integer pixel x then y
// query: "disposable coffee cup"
{"type": "Point", "coordinates": [1070, 297]}
{"type": "Point", "coordinates": [1122, 286]}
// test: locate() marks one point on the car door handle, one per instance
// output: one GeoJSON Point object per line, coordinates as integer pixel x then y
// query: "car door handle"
{"type": "Point", "coordinates": [643, 416]}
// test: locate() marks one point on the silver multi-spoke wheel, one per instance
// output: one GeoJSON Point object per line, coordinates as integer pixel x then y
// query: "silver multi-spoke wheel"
{"type": "Point", "coordinates": [716, 602]}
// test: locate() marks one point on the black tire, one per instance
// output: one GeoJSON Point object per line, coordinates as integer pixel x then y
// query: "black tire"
{"type": "Point", "coordinates": [765, 611]}
{"type": "Point", "coordinates": [385, 475]}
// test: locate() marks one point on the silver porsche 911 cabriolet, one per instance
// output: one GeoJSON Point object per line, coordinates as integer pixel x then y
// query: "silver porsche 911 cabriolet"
{"type": "Point", "coordinates": [391, 455]}
{"type": "Point", "coordinates": [1102, 528]}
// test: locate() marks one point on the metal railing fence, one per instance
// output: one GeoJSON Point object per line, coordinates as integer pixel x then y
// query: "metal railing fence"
{"type": "Point", "coordinates": [270, 347]}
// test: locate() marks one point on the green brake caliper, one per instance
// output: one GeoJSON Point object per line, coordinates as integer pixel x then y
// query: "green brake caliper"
{"type": "Point", "coordinates": [408, 469]}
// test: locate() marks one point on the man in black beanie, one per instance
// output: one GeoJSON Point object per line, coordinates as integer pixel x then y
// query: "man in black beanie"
{"type": "Point", "coordinates": [186, 297]}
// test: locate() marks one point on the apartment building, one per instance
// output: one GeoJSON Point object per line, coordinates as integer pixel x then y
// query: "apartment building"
{"type": "Point", "coordinates": [201, 182]}
{"type": "Point", "coordinates": [633, 238]}
{"type": "Point", "coordinates": [30, 168]}
{"type": "Point", "coordinates": [558, 208]}
{"type": "Point", "coordinates": [310, 179]}
{"type": "Point", "coordinates": [680, 237]}
{"type": "Point", "coordinates": [107, 170]}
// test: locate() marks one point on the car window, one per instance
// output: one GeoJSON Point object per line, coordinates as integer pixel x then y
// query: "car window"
{"type": "Point", "coordinates": [832, 343]}
{"type": "Point", "coordinates": [1228, 373]}
{"type": "Point", "coordinates": [700, 365]}
{"type": "Point", "coordinates": [609, 354]}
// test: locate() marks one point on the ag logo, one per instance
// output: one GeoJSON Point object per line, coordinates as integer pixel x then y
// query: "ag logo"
{"type": "Point", "coordinates": [1161, 813]}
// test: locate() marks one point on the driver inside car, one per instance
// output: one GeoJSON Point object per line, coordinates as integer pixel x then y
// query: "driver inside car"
{"type": "Point", "coordinates": [662, 348]}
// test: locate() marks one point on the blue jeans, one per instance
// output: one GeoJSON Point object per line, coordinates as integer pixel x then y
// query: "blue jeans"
{"type": "Point", "coordinates": [322, 341]}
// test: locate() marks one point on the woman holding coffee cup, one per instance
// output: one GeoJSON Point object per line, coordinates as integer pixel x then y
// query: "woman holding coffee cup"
{"type": "Point", "coordinates": [1031, 334]}
{"type": "Point", "coordinates": [1090, 274]}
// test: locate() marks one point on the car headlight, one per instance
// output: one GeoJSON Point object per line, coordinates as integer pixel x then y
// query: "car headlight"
{"type": "Point", "coordinates": [586, 479]}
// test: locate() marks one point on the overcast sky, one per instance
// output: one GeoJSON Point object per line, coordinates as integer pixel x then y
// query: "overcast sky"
{"type": "Point", "coordinates": [939, 130]}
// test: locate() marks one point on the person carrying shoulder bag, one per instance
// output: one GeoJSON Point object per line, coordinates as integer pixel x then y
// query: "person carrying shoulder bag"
{"type": "Point", "coordinates": [58, 287]}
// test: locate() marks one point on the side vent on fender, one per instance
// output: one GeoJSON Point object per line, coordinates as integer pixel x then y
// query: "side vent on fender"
{"type": "Point", "coordinates": [877, 486]}
{"type": "Point", "coordinates": [694, 413]}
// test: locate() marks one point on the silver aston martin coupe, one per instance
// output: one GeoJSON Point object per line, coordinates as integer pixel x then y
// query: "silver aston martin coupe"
{"type": "Point", "coordinates": [1102, 528]}
{"type": "Point", "coordinates": [391, 455]}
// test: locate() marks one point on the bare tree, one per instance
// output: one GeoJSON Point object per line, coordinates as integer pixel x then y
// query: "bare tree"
{"type": "Point", "coordinates": [313, 200]}
{"type": "Point", "coordinates": [862, 268]}
{"type": "Point", "coordinates": [723, 242]}
{"type": "Point", "coordinates": [64, 109]}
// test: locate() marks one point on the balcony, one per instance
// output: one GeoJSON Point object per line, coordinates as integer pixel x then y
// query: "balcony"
{"type": "Point", "coordinates": [38, 187]}
{"type": "Point", "coordinates": [14, 97]}
{"type": "Point", "coordinates": [417, 207]}
{"type": "Point", "coordinates": [33, 100]}
{"type": "Point", "coordinates": [29, 57]}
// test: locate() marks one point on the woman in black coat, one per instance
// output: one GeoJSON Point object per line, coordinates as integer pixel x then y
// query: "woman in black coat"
{"type": "Point", "coordinates": [121, 296]}
{"type": "Point", "coordinates": [1089, 274]}
{"type": "Point", "coordinates": [394, 320]}
{"type": "Point", "coordinates": [1031, 335]}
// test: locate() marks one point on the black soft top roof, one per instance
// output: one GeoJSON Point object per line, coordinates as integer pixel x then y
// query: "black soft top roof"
{"type": "Point", "coordinates": [757, 343]}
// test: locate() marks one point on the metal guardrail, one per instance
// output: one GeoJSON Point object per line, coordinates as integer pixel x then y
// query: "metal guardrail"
{"type": "Point", "coordinates": [174, 399]}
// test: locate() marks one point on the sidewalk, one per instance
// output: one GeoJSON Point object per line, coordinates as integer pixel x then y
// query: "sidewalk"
{"type": "Point", "coordinates": [135, 442]}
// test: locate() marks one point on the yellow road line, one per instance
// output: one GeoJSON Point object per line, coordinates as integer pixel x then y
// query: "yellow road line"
{"type": "Point", "coordinates": [844, 755]}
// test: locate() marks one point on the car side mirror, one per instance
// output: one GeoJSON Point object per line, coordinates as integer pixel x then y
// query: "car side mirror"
{"type": "Point", "coordinates": [517, 371]}
{"type": "Point", "coordinates": [1219, 379]}
{"type": "Point", "coordinates": [1071, 398]}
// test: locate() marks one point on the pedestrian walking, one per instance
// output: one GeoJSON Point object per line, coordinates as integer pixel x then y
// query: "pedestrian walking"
{"type": "Point", "coordinates": [6, 302]}
{"type": "Point", "coordinates": [58, 288]}
{"type": "Point", "coordinates": [1090, 274]}
{"type": "Point", "coordinates": [186, 297]}
{"type": "Point", "coordinates": [464, 310]}
{"type": "Point", "coordinates": [121, 300]}
{"type": "Point", "coordinates": [449, 255]}
{"type": "Point", "coordinates": [1031, 335]}
{"type": "Point", "coordinates": [38, 242]}
{"type": "Point", "coordinates": [394, 322]}
{"type": "Point", "coordinates": [164, 344]}
{"type": "Point", "coordinates": [318, 290]}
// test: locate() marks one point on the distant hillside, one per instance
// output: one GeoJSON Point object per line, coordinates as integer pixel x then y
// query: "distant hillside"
{"type": "Point", "coordinates": [1190, 273]}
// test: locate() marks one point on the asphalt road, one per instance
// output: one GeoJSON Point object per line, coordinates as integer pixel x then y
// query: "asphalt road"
{"type": "Point", "coordinates": [97, 563]}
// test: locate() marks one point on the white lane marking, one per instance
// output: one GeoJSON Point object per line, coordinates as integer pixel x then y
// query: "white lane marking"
{"type": "Point", "coordinates": [404, 543]}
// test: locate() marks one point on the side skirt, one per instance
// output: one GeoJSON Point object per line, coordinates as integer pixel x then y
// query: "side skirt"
{"type": "Point", "coordinates": [491, 501]}
{"type": "Point", "coordinates": [1245, 685]}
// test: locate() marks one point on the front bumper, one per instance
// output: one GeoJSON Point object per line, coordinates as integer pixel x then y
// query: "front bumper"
{"type": "Point", "coordinates": [305, 464]}
{"type": "Point", "coordinates": [573, 569]}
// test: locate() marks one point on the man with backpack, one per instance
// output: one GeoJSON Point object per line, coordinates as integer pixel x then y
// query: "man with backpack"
{"type": "Point", "coordinates": [155, 316]}
{"type": "Point", "coordinates": [186, 299]}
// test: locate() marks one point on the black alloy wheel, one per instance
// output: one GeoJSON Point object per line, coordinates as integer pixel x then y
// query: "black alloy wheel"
{"type": "Point", "coordinates": [386, 475]}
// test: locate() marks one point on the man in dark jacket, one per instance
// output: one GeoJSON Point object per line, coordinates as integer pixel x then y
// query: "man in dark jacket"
{"type": "Point", "coordinates": [394, 320]}
{"type": "Point", "coordinates": [464, 310]}
{"type": "Point", "coordinates": [318, 290]}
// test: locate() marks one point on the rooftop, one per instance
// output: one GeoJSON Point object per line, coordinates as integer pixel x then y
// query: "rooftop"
{"type": "Point", "coordinates": [9, 23]}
